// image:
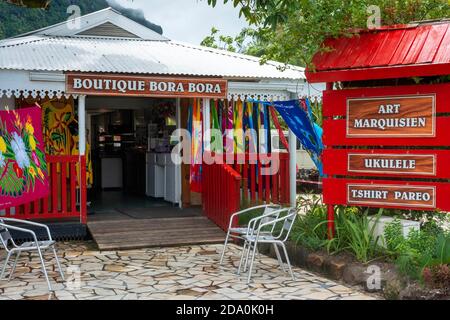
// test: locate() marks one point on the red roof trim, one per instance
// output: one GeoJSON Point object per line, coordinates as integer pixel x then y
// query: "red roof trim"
{"type": "Point", "coordinates": [403, 51]}
{"type": "Point", "coordinates": [389, 72]}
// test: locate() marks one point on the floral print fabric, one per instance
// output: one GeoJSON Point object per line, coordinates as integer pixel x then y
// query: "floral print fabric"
{"type": "Point", "coordinates": [23, 168]}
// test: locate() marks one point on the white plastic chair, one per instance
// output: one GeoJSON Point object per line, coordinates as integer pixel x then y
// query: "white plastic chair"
{"type": "Point", "coordinates": [240, 232]}
{"type": "Point", "coordinates": [258, 235]}
{"type": "Point", "coordinates": [11, 247]}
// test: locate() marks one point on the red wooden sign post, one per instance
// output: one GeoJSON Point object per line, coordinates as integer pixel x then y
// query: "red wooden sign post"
{"type": "Point", "coordinates": [376, 133]}
{"type": "Point", "coordinates": [386, 146]}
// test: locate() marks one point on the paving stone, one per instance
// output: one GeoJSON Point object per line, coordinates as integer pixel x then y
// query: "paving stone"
{"type": "Point", "coordinates": [183, 273]}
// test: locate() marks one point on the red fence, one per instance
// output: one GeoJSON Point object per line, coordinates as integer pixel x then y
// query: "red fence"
{"type": "Point", "coordinates": [221, 193]}
{"type": "Point", "coordinates": [227, 188]}
{"type": "Point", "coordinates": [64, 186]}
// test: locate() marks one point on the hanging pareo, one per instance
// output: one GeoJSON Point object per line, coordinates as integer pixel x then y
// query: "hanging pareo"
{"type": "Point", "coordinates": [23, 167]}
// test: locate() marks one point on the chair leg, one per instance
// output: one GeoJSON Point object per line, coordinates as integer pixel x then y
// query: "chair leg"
{"type": "Point", "coordinates": [44, 270]}
{"type": "Point", "coordinates": [14, 266]}
{"type": "Point", "coordinates": [280, 261]}
{"type": "Point", "coordinates": [242, 258]}
{"type": "Point", "coordinates": [251, 263]}
{"type": "Point", "coordinates": [224, 247]}
{"type": "Point", "coordinates": [59, 265]}
{"type": "Point", "coordinates": [288, 261]}
{"type": "Point", "coordinates": [4, 266]}
{"type": "Point", "coordinates": [247, 256]}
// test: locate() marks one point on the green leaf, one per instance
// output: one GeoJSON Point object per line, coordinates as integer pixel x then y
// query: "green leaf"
{"type": "Point", "coordinates": [10, 184]}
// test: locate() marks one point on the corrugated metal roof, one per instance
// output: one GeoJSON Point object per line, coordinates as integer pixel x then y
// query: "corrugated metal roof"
{"type": "Point", "coordinates": [115, 55]}
{"type": "Point", "coordinates": [409, 45]}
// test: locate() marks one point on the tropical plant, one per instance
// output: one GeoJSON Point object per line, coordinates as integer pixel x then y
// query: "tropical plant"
{"type": "Point", "coordinates": [419, 250]}
{"type": "Point", "coordinates": [358, 233]}
{"type": "Point", "coordinates": [309, 229]}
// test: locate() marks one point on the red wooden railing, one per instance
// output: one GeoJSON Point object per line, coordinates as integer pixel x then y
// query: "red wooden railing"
{"type": "Point", "coordinates": [220, 193]}
{"type": "Point", "coordinates": [227, 188]}
{"type": "Point", "coordinates": [258, 188]}
{"type": "Point", "coordinates": [64, 187]}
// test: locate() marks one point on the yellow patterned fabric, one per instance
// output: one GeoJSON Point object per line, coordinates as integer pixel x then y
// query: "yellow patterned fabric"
{"type": "Point", "coordinates": [58, 115]}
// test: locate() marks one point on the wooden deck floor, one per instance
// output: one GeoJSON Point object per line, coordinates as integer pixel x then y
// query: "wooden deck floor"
{"type": "Point", "coordinates": [128, 233]}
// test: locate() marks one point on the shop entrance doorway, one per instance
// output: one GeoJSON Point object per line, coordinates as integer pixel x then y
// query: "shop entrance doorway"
{"type": "Point", "coordinates": [129, 140]}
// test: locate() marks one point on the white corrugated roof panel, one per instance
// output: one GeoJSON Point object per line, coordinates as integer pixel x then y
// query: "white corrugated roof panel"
{"type": "Point", "coordinates": [116, 55]}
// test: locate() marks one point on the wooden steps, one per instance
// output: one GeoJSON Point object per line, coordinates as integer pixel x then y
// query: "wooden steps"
{"type": "Point", "coordinates": [129, 233]}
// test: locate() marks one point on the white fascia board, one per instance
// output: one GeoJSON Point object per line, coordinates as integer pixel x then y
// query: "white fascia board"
{"type": "Point", "coordinates": [15, 81]}
{"type": "Point", "coordinates": [271, 85]}
{"type": "Point", "coordinates": [47, 76]}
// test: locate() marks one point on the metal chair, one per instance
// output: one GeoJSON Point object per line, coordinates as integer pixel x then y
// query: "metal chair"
{"type": "Point", "coordinates": [11, 247]}
{"type": "Point", "coordinates": [277, 238]}
{"type": "Point", "coordinates": [240, 232]}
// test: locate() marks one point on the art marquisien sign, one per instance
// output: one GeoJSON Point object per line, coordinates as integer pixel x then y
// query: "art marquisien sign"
{"type": "Point", "coordinates": [407, 116]}
{"type": "Point", "coordinates": [118, 85]}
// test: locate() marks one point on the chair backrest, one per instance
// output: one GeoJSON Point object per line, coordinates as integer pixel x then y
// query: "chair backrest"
{"type": "Point", "coordinates": [281, 228]}
{"type": "Point", "coordinates": [289, 223]}
{"type": "Point", "coordinates": [5, 236]}
{"type": "Point", "coordinates": [271, 208]}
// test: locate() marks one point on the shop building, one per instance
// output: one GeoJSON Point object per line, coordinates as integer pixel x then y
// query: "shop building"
{"type": "Point", "coordinates": [112, 93]}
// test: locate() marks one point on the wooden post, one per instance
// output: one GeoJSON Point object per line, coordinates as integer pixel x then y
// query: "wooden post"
{"type": "Point", "coordinates": [330, 217]}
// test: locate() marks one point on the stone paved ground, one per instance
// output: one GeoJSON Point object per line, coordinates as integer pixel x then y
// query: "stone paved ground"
{"type": "Point", "coordinates": [166, 273]}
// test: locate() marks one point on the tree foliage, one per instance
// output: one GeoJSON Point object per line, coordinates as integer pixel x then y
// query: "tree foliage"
{"type": "Point", "coordinates": [247, 42]}
{"type": "Point", "coordinates": [16, 20]}
{"type": "Point", "coordinates": [295, 29]}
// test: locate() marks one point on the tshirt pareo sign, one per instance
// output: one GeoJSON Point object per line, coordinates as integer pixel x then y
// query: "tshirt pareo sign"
{"type": "Point", "coordinates": [391, 133]}
{"type": "Point", "coordinates": [114, 85]}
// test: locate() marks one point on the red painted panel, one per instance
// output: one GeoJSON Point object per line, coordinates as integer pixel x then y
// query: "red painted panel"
{"type": "Point", "coordinates": [335, 101]}
{"type": "Point", "coordinates": [417, 45]}
{"type": "Point", "coordinates": [388, 48]}
{"type": "Point", "coordinates": [337, 47]}
{"type": "Point", "coordinates": [335, 191]}
{"type": "Point", "coordinates": [321, 58]}
{"type": "Point", "coordinates": [335, 162]}
{"type": "Point", "coordinates": [443, 54]}
{"type": "Point", "coordinates": [423, 70]}
{"type": "Point", "coordinates": [350, 54]}
{"type": "Point", "coordinates": [370, 44]}
{"type": "Point", "coordinates": [430, 48]}
{"type": "Point", "coordinates": [335, 135]}
{"type": "Point", "coordinates": [413, 50]}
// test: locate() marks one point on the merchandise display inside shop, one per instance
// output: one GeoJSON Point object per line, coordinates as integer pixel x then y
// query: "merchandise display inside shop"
{"type": "Point", "coordinates": [131, 145]}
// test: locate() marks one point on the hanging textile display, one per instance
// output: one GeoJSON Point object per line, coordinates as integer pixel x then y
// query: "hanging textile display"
{"type": "Point", "coordinates": [217, 146]}
{"type": "Point", "coordinates": [229, 133]}
{"type": "Point", "coordinates": [238, 128]}
{"type": "Point", "coordinates": [252, 140]}
{"type": "Point", "coordinates": [303, 127]}
{"type": "Point", "coordinates": [197, 147]}
{"type": "Point", "coordinates": [278, 126]}
{"type": "Point", "coordinates": [23, 167]}
{"type": "Point", "coordinates": [59, 123]}
{"type": "Point", "coordinates": [58, 126]}
{"type": "Point", "coordinates": [265, 127]}
{"type": "Point", "coordinates": [75, 152]}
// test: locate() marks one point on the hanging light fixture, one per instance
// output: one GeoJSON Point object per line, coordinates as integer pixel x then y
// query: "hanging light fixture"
{"type": "Point", "coordinates": [43, 4]}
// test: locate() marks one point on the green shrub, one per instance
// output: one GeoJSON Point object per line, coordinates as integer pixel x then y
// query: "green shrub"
{"type": "Point", "coordinates": [356, 235]}
{"type": "Point", "coordinates": [308, 229]}
{"type": "Point", "coordinates": [420, 249]}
